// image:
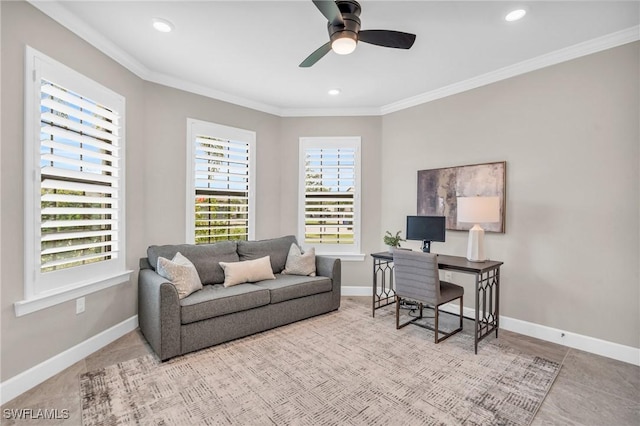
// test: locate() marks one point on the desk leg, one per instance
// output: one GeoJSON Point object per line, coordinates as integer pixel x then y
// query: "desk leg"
{"type": "Point", "coordinates": [487, 300]}
{"type": "Point", "coordinates": [497, 301]}
{"type": "Point", "coordinates": [387, 294]}
{"type": "Point", "coordinates": [476, 330]}
{"type": "Point", "coordinates": [375, 284]}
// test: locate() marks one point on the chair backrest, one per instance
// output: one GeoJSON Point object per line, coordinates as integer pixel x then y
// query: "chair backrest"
{"type": "Point", "coordinates": [416, 276]}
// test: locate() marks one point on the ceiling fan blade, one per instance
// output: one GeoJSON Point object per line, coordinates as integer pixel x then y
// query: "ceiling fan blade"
{"type": "Point", "coordinates": [387, 38]}
{"type": "Point", "coordinates": [316, 56]}
{"type": "Point", "coordinates": [330, 11]}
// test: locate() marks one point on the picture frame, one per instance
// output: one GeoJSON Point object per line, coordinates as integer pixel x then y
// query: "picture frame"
{"type": "Point", "coordinates": [438, 190]}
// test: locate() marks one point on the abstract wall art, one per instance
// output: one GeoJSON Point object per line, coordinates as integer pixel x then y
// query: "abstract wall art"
{"type": "Point", "coordinates": [438, 190]}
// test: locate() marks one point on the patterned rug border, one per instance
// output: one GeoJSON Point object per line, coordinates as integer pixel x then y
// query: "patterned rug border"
{"type": "Point", "coordinates": [243, 381]}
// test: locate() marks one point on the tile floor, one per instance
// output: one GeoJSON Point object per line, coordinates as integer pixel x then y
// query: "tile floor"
{"type": "Point", "coordinates": [590, 389]}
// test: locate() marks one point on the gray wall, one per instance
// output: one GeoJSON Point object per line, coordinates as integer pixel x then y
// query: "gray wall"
{"type": "Point", "coordinates": [356, 273]}
{"type": "Point", "coordinates": [166, 113]}
{"type": "Point", "coordinates": [33, 338]}
{"type": "Point", "coordinates": [570, 136]}
{"type": "Point", "coordinates": [156, 182]}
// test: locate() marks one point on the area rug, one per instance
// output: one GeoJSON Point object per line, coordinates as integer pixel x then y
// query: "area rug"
{"type": "Point", "coordinates": [342, 368]}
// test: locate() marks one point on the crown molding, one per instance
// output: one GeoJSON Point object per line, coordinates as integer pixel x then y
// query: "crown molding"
{"type": "Point", "coordinates": [60, 14]}
{"type": "Point", "coordinates": [330, 112]}
{"type": "Point", "coordinates": [69, 20]}
{"type": "Point", "coordinates": [56, 11]}
{"type": "Point", "coordinates": [608, 41]}
{"type": "Point", "coordinates": [198, 89]}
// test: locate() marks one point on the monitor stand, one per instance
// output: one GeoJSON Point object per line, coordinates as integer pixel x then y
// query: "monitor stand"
{"type": "Point", "coordinates": [426, 246]}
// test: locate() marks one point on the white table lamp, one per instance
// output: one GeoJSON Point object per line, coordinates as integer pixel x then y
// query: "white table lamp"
{"type": "Point", "coordinates": [477, 210]}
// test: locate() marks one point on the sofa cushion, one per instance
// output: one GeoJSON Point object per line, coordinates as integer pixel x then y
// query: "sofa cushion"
{"type": "Point", "coordinates": [287, 287]}
{"type": "Point", "coordinates": [205, 257]}
{"type": "Point", "coordinates": [216, 300]}
{"type": "Point", "coordinates": [247, 271]}
{"type": "Point", "coordinates": [299, 263]}
{"type": "Point", "coordinates": [277, 248]}
{"type": "Point", "coordinates": [182, 274]}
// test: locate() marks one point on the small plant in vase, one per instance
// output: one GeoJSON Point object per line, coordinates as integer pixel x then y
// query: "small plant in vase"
{"type": "Point", "coordinates": [392, 240]}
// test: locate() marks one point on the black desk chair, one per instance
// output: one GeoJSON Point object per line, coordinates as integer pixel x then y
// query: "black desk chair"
{"type": "Point", "coordinates": [417, 280]}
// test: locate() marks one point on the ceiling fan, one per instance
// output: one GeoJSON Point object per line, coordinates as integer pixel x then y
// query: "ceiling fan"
{"type": "Point", "coordinates": [344, 31]}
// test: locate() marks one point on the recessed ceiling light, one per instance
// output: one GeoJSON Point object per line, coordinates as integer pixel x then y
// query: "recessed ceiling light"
{"type": "Point", "coordinates": [162, 25]}
{"type": "Point", "coordinates": [334, 92]}
{"type": "Point", "coordinates": [514, 15]}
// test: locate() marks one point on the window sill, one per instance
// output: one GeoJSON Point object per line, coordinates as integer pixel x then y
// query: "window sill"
{"type": "Point", "coordinates": [345, 257]}
{"type": "Point", "coordinates": [43, 301]}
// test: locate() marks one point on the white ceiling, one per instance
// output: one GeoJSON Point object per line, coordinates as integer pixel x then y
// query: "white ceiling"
{"type": "Point", "coordinates": [247, 52]}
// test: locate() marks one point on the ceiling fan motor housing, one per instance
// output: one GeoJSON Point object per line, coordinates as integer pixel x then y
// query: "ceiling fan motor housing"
{"type": "Point", "coordinates": [350, 11]}
{"type": "Point", "coordinates": [344, 31]}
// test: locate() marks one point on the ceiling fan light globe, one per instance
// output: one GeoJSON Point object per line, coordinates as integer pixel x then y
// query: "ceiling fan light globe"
{"type": "Point", "coordinates": [343, 45]}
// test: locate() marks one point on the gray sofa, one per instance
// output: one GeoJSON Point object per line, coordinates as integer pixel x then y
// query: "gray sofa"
{"type": "Point", "coordinates": [217, 314]}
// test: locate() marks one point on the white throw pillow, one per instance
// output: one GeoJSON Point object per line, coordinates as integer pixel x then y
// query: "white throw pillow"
{"type": "Point", "coordinates": [247, 271]}
{"type": "Point", "coordinates": [182, 274]}
{"type": "Point", "coordinates": [299, 263]}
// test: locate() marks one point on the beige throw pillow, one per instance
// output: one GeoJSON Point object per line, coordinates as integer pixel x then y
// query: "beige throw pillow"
{"type": "Point", "coordinates": [248, 271]}
{"type": "Point", "coordinates": [299, 263]}
{"type": "Point", "coordinates": [182, 274]}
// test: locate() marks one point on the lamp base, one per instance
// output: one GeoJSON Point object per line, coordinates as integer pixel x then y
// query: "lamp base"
{"type": "Point", "coordinates": [475, 246]}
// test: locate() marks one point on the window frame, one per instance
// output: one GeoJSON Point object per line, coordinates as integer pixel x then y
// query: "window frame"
{"type": "Point", "coordinates": [199, 127]}
{"type": "Point", "coordinates": [346, 252]}
{"type": "Point", "coordinates": [45, 289]}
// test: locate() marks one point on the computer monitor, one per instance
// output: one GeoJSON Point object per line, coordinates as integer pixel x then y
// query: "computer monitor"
{"type": "Point", "coordinates": [426, 229]}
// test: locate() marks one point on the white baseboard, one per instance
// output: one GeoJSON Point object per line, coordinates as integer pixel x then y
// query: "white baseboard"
{"type": "Point", "coordinates": [593, 345]}
{"type": "Point", "coordinates": [566, 338]}
{"type": "Point", "coordinates": [26, 380]}
{"type": "Point", "coordinates": [356, 291]}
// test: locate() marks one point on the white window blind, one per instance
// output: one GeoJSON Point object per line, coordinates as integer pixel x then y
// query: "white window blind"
{"type": "Point", "coordinates": [222, 175]}
{"type": "Point", "coordinates": [330, 174]}
{"type": "Point", "coordinates": [74, 185]}
{"type": "Point", "coordinates": [79, 174]}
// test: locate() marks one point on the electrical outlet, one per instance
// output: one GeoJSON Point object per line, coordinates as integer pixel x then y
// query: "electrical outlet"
{"type": "Point", "coordinates": [80, 305]}
{"type": "Point", "coordinates": [448, 275]}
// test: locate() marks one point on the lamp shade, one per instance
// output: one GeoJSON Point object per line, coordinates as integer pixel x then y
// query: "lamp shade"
{"type": "Point", "coordinates": [478, 209]}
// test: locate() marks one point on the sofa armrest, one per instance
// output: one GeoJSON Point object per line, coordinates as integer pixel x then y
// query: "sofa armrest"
{"type": "Point", "coordinates": [331, 267]}
{"type": "Point", "coordinates": [159, 313]}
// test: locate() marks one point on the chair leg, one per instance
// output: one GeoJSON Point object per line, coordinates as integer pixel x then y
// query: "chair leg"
{"type": "Point", "coordinates": [398, 325]}
{"type": "Point", "coordinates": [451, 333]}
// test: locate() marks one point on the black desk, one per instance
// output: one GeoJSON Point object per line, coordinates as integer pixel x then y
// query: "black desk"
{"type": "Point", "coordinates": [487, 292]}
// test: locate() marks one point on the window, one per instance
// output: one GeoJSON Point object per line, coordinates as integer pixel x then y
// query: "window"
{"type": "Point", "coordinates": [221, 173]}
{"type": "Point", "coordinates": [74, 185]}
{"type": "Point", "coordinates": [329, 194]}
